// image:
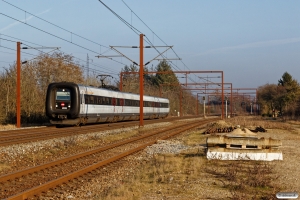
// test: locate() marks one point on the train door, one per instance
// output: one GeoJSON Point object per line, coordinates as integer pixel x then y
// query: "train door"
{"type": "Point", "coordinates": [158, 109]}
{"type": "Point", "coordinates": [82, 102]}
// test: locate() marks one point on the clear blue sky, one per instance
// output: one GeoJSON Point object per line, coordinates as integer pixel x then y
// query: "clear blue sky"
{"type": "Point", "coordinates": [253, 42]}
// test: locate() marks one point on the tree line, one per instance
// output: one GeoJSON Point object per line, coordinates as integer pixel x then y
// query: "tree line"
{"type": "Point", "coordinates": [280, 99]}
{"type": "Point", "coordinates": [37, 74]}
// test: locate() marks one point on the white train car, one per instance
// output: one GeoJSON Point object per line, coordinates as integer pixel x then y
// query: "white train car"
{"type": "Point", "coordinates": [72, 104]}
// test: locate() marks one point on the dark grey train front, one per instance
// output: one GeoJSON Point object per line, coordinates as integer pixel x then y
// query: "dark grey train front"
{"type": "Point", "coordinates": [72, 104]}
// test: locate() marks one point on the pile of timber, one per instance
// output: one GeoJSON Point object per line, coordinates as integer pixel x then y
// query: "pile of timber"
{"type": "Point", "coordinates": [242, 144]}
{"type": "Point", "coordinates": [214, 130]}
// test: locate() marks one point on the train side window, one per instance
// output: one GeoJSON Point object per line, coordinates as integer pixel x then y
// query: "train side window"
{"type": "Point", "coordinates": [86, 99]}
{"type": "Point", "coordinates": [91, 99]}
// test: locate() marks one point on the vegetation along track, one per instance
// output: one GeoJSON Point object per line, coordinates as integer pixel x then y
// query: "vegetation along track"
{"type": "Point", "coordinates": [32, 181]}
{"type": "Point", "coordinates": [36, 134]}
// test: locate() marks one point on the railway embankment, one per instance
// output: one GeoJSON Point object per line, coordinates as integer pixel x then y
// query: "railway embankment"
{"type": "Point", "coordinates": [176, 168]}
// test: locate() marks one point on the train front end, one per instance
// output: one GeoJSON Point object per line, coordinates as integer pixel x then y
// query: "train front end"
{"type": "Point", "coordinates": [63, 103]}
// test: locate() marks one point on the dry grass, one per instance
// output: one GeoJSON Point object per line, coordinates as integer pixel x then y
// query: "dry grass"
{"type": "Point", "coordinates": [7, 127]}
{"type": "Point", "coordinates": [190, 175]}
{"type": "Point", "coordinates": [119, 136]}
{"type": "Point", "coordinates": [163, 175]}
{"type": "Point", "coordinates": [4, 166]}
{"type": "Point", "coordinates": [246, 122]}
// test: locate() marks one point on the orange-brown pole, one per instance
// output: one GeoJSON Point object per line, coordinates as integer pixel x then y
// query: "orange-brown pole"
{"type": "Point", "coordinates": [208, 106]}
{"type": "Point", "coordinates": [222, 96]}
{"type": "Point", "coordinates": [18, 84]}
{"type": "Point", "coordinates": [160, 93]}
{"type": "Point", "coordinates": [231, 100]}
{"type": "Point", "coordinates": [141, 80]}
{"type": "Point", "coordinates": [180, 102]}
{"type": "Point", "coordinates": [121, 81]}
{"type": "Point", "coordinates": [185, 79]}
{"type": "Point", "coordinates": [256, 108]}
{"type": "Point", "coordinates": [197, 105]}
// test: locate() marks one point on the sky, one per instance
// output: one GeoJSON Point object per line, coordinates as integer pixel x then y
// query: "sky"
{"type": "Point", "coordinates": [253, 42]}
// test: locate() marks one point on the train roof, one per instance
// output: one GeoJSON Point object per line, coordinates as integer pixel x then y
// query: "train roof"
{"type": "Point", "coordinates": [99, 88]}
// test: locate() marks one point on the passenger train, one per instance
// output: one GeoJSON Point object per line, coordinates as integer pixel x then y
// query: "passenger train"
{"type": "Point", "coordinates": [74, 104]}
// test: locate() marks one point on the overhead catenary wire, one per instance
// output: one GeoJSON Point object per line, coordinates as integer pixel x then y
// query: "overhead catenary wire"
{"type": "Point", "coordinates": [16, 50]}
{"type": "Point", "coordinates": [113, 72]}
{"type": "Point", "coordinates": [17, 39]}
{"type": "Point", "coordinates": [123, 20]}
{"type": "Point", "coordinates": [149, 42]}
{"type": "Point", "coordinates": [56, 25]}
{"type": "Point", "coordinates": [152, 31]}
{"type": "Point", "coordinates": [36, 56]}
{"type": "Point", "coordinates": [129, 25]}
{"type": "Point", "coordinates": [6, 40]}
{"type": "Point", "coordinates": [58, 37]}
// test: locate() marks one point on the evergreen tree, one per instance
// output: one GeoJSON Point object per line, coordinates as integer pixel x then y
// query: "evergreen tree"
{"type": "Point", "coordinates": [165, 78]}
{"type": "Point", "coordinates": [291, 86]}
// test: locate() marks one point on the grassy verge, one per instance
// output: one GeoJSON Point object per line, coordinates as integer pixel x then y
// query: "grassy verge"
{"type": "Point", "coordinates": [189, 175]}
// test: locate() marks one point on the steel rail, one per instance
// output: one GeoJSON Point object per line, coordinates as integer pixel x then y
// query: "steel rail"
{"type": "Point", "coordinates": [63, 160]}
{"type": "Point", "coordinates": [53, 183]}
{"type": "Point", "coordinates": [53, 133]}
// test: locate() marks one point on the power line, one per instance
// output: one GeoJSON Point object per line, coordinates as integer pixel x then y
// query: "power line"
{"type": "Point", "coordinates": [56, 25]}
{"type": "Point", "coordinates": [113, 72]}
{"type": "Point", "coordinates": [18, 39]}
{"type": "Point", "coordinates": [123, 20]}
{"type": "Point", "coordinates": [154, 34]}
{"type": "Point", "coordinates": [132, 27]}
{"type": "Point", "coordinates": [6, 40]}
{"type": "Point", "coordinates": [16, 50]}
{"type": "Point", "coordinates": [58, 37]}
{"type": "Point", "coordinates": [144, 23]}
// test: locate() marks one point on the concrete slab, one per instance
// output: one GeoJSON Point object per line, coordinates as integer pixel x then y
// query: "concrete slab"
{"type": "Point", "coordinates": [244, 154]}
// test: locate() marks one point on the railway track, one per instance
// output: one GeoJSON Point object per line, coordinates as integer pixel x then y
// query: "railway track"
{"type": "Point", "coordinates": [36, 134]}
{"type": "Point", "coordinates": [35, 180]}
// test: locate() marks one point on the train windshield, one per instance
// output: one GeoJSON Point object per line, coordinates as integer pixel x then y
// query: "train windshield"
{"type": "Point", "coordinates": [63, 94]}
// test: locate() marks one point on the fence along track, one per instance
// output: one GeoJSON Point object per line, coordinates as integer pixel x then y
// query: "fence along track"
{"type": "Point", "coordinates": [36, 134]}
{"type": "Point", "coordinates": [51, 184]}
